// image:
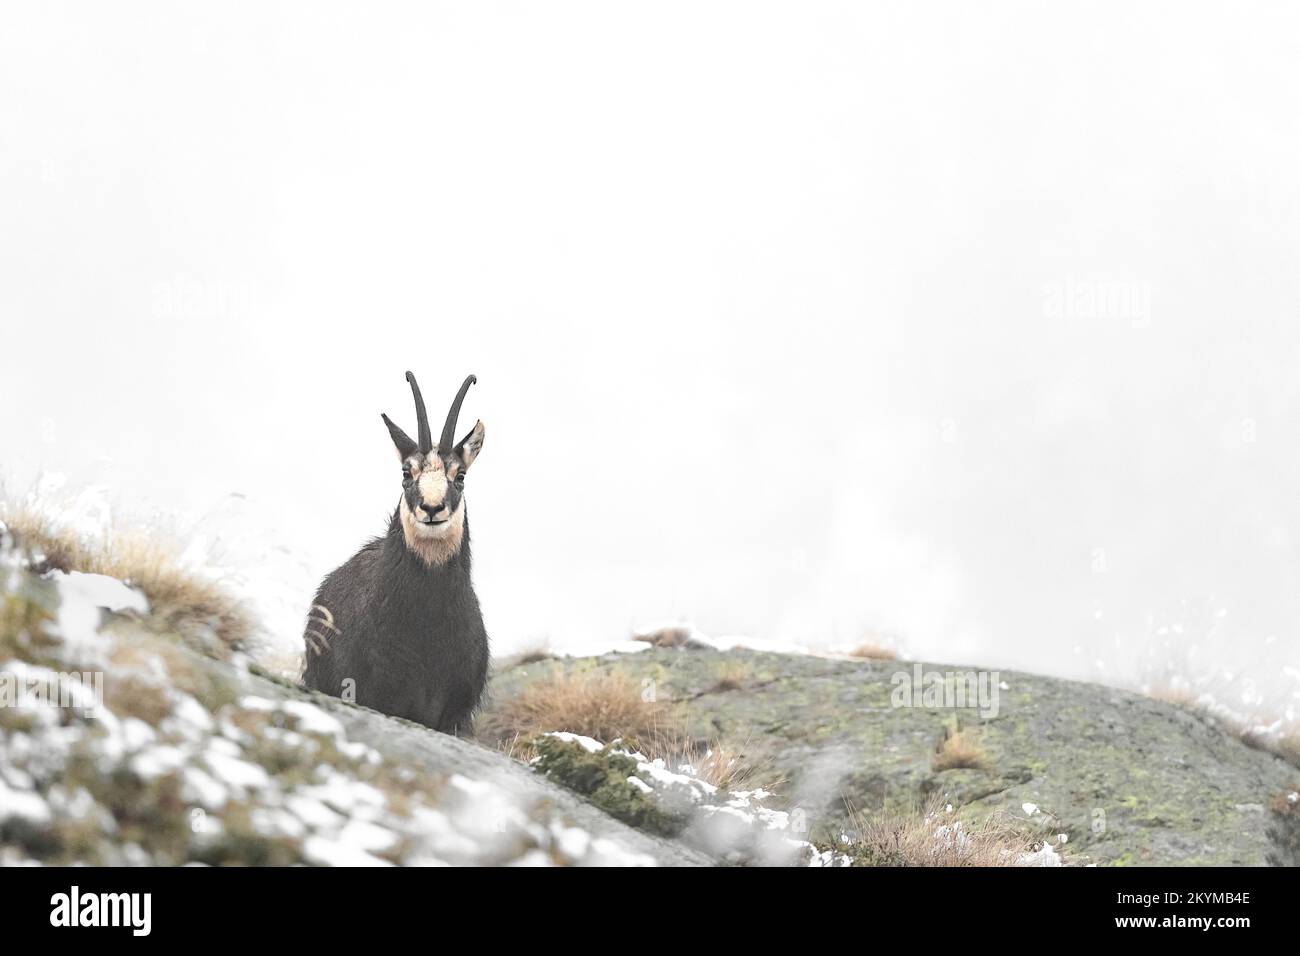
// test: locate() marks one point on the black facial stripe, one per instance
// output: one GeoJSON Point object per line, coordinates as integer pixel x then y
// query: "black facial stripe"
{"type": "Point", "coordinates": [453, 497]}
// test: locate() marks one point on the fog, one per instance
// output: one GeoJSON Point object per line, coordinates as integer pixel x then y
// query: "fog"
{"type": "Point", "coordinates": [966, 327]}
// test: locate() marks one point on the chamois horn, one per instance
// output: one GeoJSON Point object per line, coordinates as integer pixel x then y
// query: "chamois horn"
{"type": "Point", "coordinates": [449, 429]}
{"type": "Point", "coordinates": [421, 416]}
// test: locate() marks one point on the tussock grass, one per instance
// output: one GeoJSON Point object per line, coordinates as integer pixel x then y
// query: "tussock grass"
{"type": "Point", "coordinates": [602, 705]}
{"type": "Point", "coordinates": [179, 598]}
{"type": "Point", "coordinates": [1177, 694]}
{"type": "Point", "coordinates": [534, 653]}
{"type": "Point", "coordinates": [133, 695]}
{"type": "Point", "coordinates": [934, 834]}
{"type": "Point", "coordinates": [871, 651]}
{"type": "Point", "coordinates": [1285, 745]}
{"type": "Point", "coordinates": [609, 706]}
{"type": "Point", "coordinates": [959, 748]}
{"type": "Point", "coordinates": [1286, 803]}
{"type": "Point", "coordinates": [732, 675]}
{"type": "Point", "coordinates": [715, 762]}
{"type": "Point", "coordinates": [517, 748]}
{"type": "Point", "coordinates": [676, 635]}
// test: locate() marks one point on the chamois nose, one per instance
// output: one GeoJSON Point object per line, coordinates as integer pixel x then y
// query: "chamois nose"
{"type": "Point", "coordinates": [433, 510]}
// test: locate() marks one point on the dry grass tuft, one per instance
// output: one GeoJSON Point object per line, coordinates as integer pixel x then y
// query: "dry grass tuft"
{"type": "Point", "coordinates": [959, 748]}
{"type": "Point", "coordinates": [603, 705]}
{"type": "Point", "coordinates": [671, 636]}
{"type": "Point", "coordinates": [935, 835]}
{"type": "Point", "coordinates": [720, 765]}
{"type": "Point", "coordinates": [1284, 745]}
{"type": "Point", "coordinates": [132, 695]}
{"type": "Point", "coordinates": [1286, 803]}
{"type": "Point", "coordinates": [870, 651]}
{"type": "Point", "coordinates": [178, 598]}
{"type": "Point", "coordinates": [517, 748]}
{"type": "Point", "coordinates": [1176, 694]}
{"type": "Point", "coordinates": [534, 654]}
{"type": "Point", "coordinates": [715, 762]}
{"type": "Point", "coordinates": [732, 675]}
{"type": "Point", "coordinates": [609, 706]}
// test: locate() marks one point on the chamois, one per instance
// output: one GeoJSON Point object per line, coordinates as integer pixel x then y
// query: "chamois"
{"type": "Point", "coordinates": [398, 627]}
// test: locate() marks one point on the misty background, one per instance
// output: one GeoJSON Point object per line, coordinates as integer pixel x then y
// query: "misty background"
{"type": "Point", "coordinates": [966, 327]}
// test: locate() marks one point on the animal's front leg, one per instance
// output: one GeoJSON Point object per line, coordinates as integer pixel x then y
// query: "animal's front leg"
{"type": "Point", "coordinates": [457, 717]}
{"type": "Point", "coordinates": [431, 709]}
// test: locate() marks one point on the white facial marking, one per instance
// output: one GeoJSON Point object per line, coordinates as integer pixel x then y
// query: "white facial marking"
{"type": "Point", "coordinates": [433, 483]}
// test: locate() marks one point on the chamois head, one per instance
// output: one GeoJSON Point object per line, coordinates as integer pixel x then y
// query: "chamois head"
{"type": "Point", "coordinates": [432, 509]}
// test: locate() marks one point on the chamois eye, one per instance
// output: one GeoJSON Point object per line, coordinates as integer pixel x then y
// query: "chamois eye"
{"type": "Point", "coordinates": [406, 474]}
{"type": "Point", "coordinates": [460, 479]}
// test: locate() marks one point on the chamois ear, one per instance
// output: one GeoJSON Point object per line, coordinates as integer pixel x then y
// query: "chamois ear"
{"type": "Point", "coordinates": [470, 446]}
{"type": "Point", "coordinates": [405, 447]}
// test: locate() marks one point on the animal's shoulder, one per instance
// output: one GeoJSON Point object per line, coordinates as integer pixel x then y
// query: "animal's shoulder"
{"type": "Point", "coordinates": [355, 576]}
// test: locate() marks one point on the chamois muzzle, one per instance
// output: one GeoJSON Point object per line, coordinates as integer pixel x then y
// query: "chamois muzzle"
{"type": "Point", "coordinates": [448, 440]}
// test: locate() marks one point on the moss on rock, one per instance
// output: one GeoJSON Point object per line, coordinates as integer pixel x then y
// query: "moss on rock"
{"type": "Point", "coordinates": [602, 778]}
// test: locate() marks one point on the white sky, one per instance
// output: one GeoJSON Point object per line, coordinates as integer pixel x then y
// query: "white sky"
{"type": "Point", "coordinates": [788, 318]}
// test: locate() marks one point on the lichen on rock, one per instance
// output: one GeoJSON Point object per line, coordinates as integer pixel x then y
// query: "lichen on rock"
{"type": "Point", "coordinates": [1128, 779]}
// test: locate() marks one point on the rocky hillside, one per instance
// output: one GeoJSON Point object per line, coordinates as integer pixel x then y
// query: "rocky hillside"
{"type": "Point", "coordinates": [124, 742]}
{"type": "Point", "coordinates": [1127, 779]}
